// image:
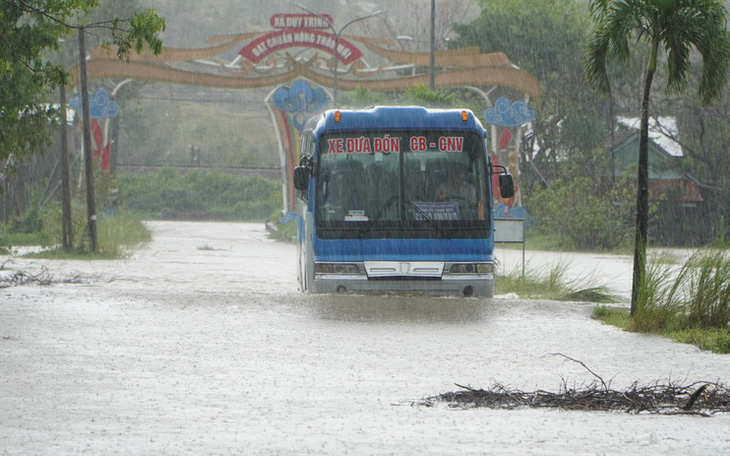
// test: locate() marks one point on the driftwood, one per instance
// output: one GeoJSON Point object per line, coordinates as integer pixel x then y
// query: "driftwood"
{"type": "Point", "coordinates": [702, 398]}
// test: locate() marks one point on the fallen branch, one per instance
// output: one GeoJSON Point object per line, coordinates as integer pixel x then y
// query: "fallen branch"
{"type": "Point", "coordinates": [584, 366]}
{"type": "Point", "coordinates": [44, 277]}
{"type": "Point", "coordinates": [708, 399]}
{"type": "Point", "coordinates": [701, 398]}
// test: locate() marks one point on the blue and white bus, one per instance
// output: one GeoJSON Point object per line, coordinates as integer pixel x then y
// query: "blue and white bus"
{"type": "Point", "coordinates": [396, 199]}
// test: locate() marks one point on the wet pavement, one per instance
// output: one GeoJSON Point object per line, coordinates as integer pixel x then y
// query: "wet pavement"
{"type": "Point", "coordinates": [200, 343]}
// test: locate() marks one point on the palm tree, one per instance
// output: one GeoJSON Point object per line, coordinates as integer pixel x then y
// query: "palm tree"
{"type": "Point", "coordinates": [676, 27]}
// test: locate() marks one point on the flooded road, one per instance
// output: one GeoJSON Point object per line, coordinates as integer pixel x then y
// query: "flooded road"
{"type": "Point", "coordinates": [200, 343]}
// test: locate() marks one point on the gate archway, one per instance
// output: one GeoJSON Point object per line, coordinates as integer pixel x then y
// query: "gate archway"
{"type": "Point", "coordinates": [299, 79]}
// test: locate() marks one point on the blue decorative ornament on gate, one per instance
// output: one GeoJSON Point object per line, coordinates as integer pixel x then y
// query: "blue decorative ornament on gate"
{"type": "Point", "coordinates": [101, 105]}
{"type": "Point", "coordinates": [506, 114]}
{"type": "Point", "coordinates": [300, 101]}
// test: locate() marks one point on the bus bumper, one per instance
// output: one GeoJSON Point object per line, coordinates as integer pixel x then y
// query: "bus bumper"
{"type": "Point", "coordinates": [482, 285]}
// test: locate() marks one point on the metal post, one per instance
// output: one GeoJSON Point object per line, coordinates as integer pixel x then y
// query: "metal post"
{"type": "Point", "coordinates": [337, 60]}
{"type": "Point", "coordinates": [67, 224]}
{"type": "Point", "coordinates": [337, 44]}
{"type": "Point", "coordinates": [113, 137]}
{"type": "Point", "coordinates": [337, 41]}
{"type": "Point", "coordinates": [431, 77]}
{"type": "Point", "coordinates": [88, 155]}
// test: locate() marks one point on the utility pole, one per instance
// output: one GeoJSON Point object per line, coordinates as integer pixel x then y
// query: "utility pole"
{"type": "Point", "coordinates": [432, 68]}
{"type": "Point", "coordinates": [88, 156]}
{"type": "Point", "coordinates": [67, 224]}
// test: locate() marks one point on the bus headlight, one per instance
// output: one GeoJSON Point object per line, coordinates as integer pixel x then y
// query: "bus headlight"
{"type": "Point", "coordinates": [335, 268]}
{"type": "Point", "coordinates": [472, 268]}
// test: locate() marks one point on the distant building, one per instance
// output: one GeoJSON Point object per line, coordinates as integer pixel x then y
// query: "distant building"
{"type": "Point", "coordinates": [665, 173]}
{"type": "Point", "coordinates": [682, 216]}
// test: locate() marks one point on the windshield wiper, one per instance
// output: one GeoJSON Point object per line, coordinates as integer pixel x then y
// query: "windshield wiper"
{"type": "Point", "coordinates": [382, 210]}
{"type": "Point", "coordinates": [426, 217]}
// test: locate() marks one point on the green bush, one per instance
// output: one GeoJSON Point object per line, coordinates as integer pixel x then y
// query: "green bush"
{"type": "Point", "coordinates": [586, 215]}
{"type": "Point", "coordinates": [117, 235]}
{"type": "Point", "coordinates": [29, 228]}
{"type": "Point", "coordinates": [30, 222]}
{"type": "Point", "coordinates": [199, 195]}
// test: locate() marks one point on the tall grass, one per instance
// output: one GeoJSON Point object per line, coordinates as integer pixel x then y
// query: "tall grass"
{"type": "Point", "coordinates": [543, 282]}
{"type": "Point", "coordinates": [658, 304]}
{"type": "Point", "coordinates": [695, 295]}
{"type": "Point", "coordinates": [690, 303]}
{"type": "Point", "coordinates": [708, 285]}
{"type": "Point", "coordinates": [120, 234]}
{"type": "Point", "coordinates": [117, 237]}
{"type": "Point", "coordinates": [550, 283]}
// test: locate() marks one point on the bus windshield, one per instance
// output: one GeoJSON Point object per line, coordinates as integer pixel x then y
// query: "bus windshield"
{"type": "Point", "coordinates": [390, 184]}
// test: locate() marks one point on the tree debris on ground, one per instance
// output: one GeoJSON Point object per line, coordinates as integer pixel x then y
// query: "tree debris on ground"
{"type": "Point", "coordinates": [701, 398]}
{"type": "Point", "coordinates": [14, 278]}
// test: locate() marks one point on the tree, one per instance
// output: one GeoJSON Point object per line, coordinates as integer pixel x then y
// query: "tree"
{"type": "Point", "coordinates": [677, 27]}
{"type": "Point", "coordinates": [546, 39]}
{"type": "Point", "coordinates": [25, 78]}
{"type": "Point", "coordinates": [31, 29]}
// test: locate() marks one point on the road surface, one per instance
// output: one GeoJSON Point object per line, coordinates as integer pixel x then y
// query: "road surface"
{"type": "Point", "coordinates": [200, 343]}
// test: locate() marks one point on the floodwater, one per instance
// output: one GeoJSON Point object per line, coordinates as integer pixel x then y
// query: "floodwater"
{"type": "Point", "coordinates": [200, 343]}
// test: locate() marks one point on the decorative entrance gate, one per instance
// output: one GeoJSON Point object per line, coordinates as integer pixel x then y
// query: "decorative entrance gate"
{"type": "Point", "coordinates": [263, 59]}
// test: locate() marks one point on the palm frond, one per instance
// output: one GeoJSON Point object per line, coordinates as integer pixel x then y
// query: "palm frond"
{"type": "Point", "coordinates": [678, 26]}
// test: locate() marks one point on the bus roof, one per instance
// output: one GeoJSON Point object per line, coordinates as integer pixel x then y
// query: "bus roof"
{"type": "Point", "coordinates": [398, 118]}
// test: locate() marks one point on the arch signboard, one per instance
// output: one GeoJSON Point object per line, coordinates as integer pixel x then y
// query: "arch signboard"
{"type": "Point", "coordinates": [268, 59]}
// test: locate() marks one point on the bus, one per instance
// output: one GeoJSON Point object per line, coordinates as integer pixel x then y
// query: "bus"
{"type": "Point", "coordinates": [397, 199]}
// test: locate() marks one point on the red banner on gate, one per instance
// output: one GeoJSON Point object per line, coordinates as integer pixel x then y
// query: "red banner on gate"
{"type": "Point", "coordinates": [281, 39]}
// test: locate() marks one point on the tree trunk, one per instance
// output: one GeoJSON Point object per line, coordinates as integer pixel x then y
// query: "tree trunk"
{"type": "Point", "coordinates": [642, 197]}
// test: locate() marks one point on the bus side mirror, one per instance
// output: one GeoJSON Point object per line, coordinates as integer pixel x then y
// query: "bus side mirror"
{"type": "Point", "coordinates": [506, 186]}
{"type": "Point", "coordinates": [301, 177]}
